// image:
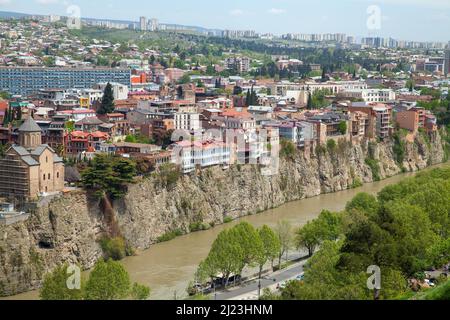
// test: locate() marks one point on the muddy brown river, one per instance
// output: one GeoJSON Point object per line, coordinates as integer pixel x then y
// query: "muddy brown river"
{"type": "Point", "coordinates": [169, 267]}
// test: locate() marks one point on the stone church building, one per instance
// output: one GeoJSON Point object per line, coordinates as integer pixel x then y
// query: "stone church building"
{"type": "Point", "coordinates": [30, 169]}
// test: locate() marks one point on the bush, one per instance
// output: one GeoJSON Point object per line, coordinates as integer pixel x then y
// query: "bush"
{"type": "Point", "coordinates": [399, 149]}
{"type": "Point", "coordinates": [375, 167]}
{"type": "Point", "coordinates": [356, 183]}
{"type": "Point", "coordinates": [140, 292]}
{"type": "Point", "coordinates": [331, 145]}
{"type": "Point", "coordinates": [170, 235]}
{"type": "Point", "coordinates": [343, 127]}
{"type": "Point", "coordinates": [113, 248]}
{"type": "Point", "coordinates": [168, 176]}
{"type": "Point", "coordinates": [199, 226]}
{"type": "Point", "coordinates": [320, 150]}
{"type": "Point", "coordinates": [288, 149]}
{"type": "Point", "coordinates": [227, 220]}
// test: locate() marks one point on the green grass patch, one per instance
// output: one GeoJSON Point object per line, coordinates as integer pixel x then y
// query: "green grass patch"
{"type": "Point", "coordinates": [170, 235]}
{"type": "Point", "coordinates": [227, 220]}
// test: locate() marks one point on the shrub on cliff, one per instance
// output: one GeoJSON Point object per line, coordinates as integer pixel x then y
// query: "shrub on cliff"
{"type": "Point", "coordinates": [288, 149]}
{"type": "Point", "coordinates": [168, 176]}
{"type": "Point", "coordinates": [114, 248]}
{"type": "Point", "coordinates": [399, 149]}
{"type": "Point", "coordinates": [375, 167]}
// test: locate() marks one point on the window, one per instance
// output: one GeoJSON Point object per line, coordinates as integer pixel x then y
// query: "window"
{"type": "Point", "coordinates": [57, 175]}
{"type": "Point", "coordinates": [44, 176]}
{"type": "Point", "coordinates": [49, 176]}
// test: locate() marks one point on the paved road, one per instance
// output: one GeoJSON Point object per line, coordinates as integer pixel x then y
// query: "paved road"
{"type": "Point", "coordinates": [250, 290]}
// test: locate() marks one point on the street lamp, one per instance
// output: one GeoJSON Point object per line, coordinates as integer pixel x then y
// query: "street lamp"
{"type": "Point", "coordinates": [259, 285]}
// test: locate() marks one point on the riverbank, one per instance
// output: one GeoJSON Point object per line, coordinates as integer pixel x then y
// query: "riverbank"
{"type": "Point", "coordinates": [67, 229]}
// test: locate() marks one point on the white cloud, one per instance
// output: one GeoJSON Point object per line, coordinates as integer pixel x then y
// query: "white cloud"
{"type": "Point", "coordinates": [236, 12]}
{"type": "Point", "coordinates": [47, 2]}
{"type": "Point", "coordinates": [276, 11]}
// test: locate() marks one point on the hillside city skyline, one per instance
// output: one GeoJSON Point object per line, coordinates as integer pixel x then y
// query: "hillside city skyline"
{"type": "Point", "coordinates": [349, 16]}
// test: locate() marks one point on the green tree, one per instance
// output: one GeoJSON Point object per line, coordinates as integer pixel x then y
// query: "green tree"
{"type": "Point", "coordinates": [226, 255]}
{"type": "Point", "coordinates": [107, 105]}
{"type": "Point", "coordinates": [309, 104]}
{"type": "Point", "coordinates": [365, 203]}
{"type": "Point", "coordinates": [245, 235]}
{"type": "Point", "coordinates": [185, 79]}
{"type": "Point", "coordinates": [108, 281]}
{"type": "Point", "coordinates": [309, 236]}
{"type": "Point", "coordinates": [271, 243]}
{"type": "Point", "coordinates": [55, 286]}
{"type": "Point", "coordinates": [285, 235]}
{"type": "Point", "coordinates": [109, 176]}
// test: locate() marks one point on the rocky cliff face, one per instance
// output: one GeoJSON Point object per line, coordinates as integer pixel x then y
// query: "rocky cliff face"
{"type": "Point", "coordinates": [66, 229]}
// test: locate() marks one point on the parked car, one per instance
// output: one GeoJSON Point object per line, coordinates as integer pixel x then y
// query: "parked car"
{"type": "Point", "coordinates": [300, 277]}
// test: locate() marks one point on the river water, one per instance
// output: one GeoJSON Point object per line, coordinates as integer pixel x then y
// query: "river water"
{"type": "Point", "coordinates": [169, 267]}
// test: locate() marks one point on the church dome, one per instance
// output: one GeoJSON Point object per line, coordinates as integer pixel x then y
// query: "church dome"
{"type": "Point", "coordinates": [30, 126]}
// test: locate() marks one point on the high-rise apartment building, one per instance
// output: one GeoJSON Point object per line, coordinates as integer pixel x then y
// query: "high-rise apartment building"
{"type": "Point", "coordinates": [26, 81]}
{"type": "Point", "coordinates": [143, 23]}
{"type": "Point", "coordinates": [447, 62]}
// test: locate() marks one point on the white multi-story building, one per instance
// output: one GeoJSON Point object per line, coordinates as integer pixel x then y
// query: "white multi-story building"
{"type": "Point", "coordinates": [189, 155]}
{"type": "Point", "coordinates": [283, 87]}
{"type": "Point", "coordinates": [187, 121]}
{"type": "Point", "coordinates": [120, 91]}
{"type": "Point", "coordinates": [371, 95]}
{"type": "Point", "coordinates": [91, 94]}
{"type": "Point", "coordinates": [143, 23]}
{"type": "Point", "coordinates": [153, 25]}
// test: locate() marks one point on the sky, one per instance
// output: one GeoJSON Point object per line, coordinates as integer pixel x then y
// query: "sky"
{"type": "Point", "coordinates": [419, 20]}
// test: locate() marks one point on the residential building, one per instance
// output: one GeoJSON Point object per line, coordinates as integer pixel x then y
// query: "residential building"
{"type": "Point", "coordinates": [174, 74]}
{"type": "Point", "coordinates": [200, 154]}
{"type": "Point", "coordinates": [240, 64]}
{"type": "Point", "coordinates": [77, 114]}
{"type": "Point", "coordinates": [127, 148]}
{"type": "Point", "coordinates": [447, 62]}
{"type": "Point", "coordinates": [88, 124]}
{"type": "Point", "coordinates": [187, 121]}
{"type": "Point", "coordinates": [360, 124]}
{"type": "Point", "coordinates": [143, 23]}
{"type": "Point", "coordinates": [27, 81]}
{"type": "Point", "coordinates": [416, 118]}
{"type": "Point", "coordinates": [371, 95]}
{"type": "Point", "coordinates": [79, 142]}
{"type": "Point", "coordinates": [408, 119]}
{"type": "Point", "coordinates": [379, 118]}
{"type": "Point", "coordinates": [328, 125]}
